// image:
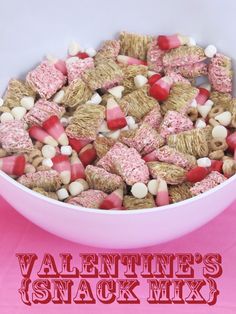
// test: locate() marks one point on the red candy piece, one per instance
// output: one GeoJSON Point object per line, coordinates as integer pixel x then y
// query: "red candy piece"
{"type": "Point", "coordinates": [202, 96]}
{"type": "Point", "coordinates": [216, 165]}
{"type": "Point", "coordinates": [13, 165]}
{"type": "Point", "coordinates": [231, 141]}
{"type": "Point", "coordinates": [153, 79]}
{"type": "Point", "coordinates": [87, 154]}
{"type": "Point", "coordinates": [113, 201]}
{"type": "Point", "coordinates": [61, 164]}
{"type": "Point", "coordinates": [54, 128]}
{"type": "Point", "coordinates": [42, 136]}
{"type": "Point", "coordinates": [77, 168]}
{"type": "Point", "coordinates": [159, 92]}
{"type": "Point", "coordinates": [114, 115]}
{"type": "Point", "coordinates": [168, 42]}
{"type": "Point", "coordinates": [77, 145]}
{"type": "Point", "coordinates": [82, 55]}
{"type": "Point", "coordinates": [197, 174]}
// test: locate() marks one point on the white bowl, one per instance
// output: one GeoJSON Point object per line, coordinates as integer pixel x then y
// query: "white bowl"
{"type": "Point", "coordinates": [29, 29]}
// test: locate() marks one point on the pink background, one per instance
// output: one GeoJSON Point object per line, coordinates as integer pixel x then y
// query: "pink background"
{"type": "Point", "coordinates": [20, 235]}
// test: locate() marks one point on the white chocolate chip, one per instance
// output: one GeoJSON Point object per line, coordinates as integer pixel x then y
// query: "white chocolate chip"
{"type": "Point", "coordinates": [1, 102]}
{"type": "Point", "coordinates": [48, 151]}
{"type": "Point", "coordinates": [47, 162]}
{"type": "Point", "coordinates": [204, 109]}
{"type": "Point", "coordinates": [73, 48]}
{"type": "Point", "coordinates": [204, 162]}
{"type": "Point", "coordinates": [6, 116]}
{"type": "Point", "coordinates": [130, 121]}
{"type": "Point", "coordinates": [200, 124]}
{"type": "Point", "coordinates": [58, 98]}
{"type": "Point", "coordinates": [66, 150]}
{"type": "Point", "coordinates": [91, 52]}
{"type": "Point", "coordinates": [75, 188]}
{"type": "Point", "coordinates": [191, 42]}
{"type": "Point", "coordinates": [27, 102]}
{"type": "Point", "coordinates": [151, 73]}
{"type": "Point", "coordinates": [116, 91]}
{"type": "Point", "coordinates": [139, 190]}
{"type": "Point", "coordinates": [62, 194]}
{"type": "Point", "coordinates": [153, 186]}
{"type": "Point", "coordinates": [96, 99]}
{"type": "Point", "coordinates": [64, 121]}
{"type": "Point", "coordinates": [18, 112]}
{"type": "Point", "coordinates": [210, 51]}
{"type": "Point", "coordinates": [224, 118]}
{"type": "Point", "coordinates": [114, 135]}
{"type": "Point", "coordinates": [219, 131]}
{"type": "Point", "coordinates": [140, 80]}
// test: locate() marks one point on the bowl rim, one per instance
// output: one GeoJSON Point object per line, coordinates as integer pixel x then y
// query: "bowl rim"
{"type": "Point", "coordinates": [116, 212]}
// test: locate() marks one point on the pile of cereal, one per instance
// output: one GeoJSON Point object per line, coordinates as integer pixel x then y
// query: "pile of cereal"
{"type": "Point", "coordinates": [124, 127]}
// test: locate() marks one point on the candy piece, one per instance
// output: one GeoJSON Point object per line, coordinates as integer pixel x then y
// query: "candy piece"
{"type": "Point", "coordinates": [216, 165]}
{"type": "Point", "coordinates": [205, 109]}
{"type": "Point", "coordinates": [47, 162]}
{"type": "Point", "coordinates": [224, 118]}
{"type": "Point", "coordinates": [202, 96]}
{"type": "Point", "coordinates": [114, 115]}
{"type": "Point", "coordinates": [139, 190]}
{"type": "Point", "coordinates": [54, 128]}
{"type": "Point", "coordinates": [204, 162]}
{"type": "Point", "coordinates": [154, 78]}
{"type": "Point", "coordinates": [60, 65]}
{"type": "Point", "coordinates": [87, 154]}
{"type": "Point", "coordinates": [78, 186]}
{"type": "Point", "coordinates": [48, 151]}
{"type": "Point", "coordinates": [231, 141]}
{"type": "Point", "coordinates": [211, 181]}
{"type": "Point", "coordinates": [162, 197]}
{"type": "Point", "coordinates": [172, 174]}
{"type": "Point", "coordinates": [153, 186]}
{"type": "Point", "coordinates": [210, 51]}
{"type": "Point", "coordinates": [82, 55]}
{"type": "Point", "coordinates": [42, 110]}
{"type": "Point", "coordinates": [27, 102]}
{"type": "Point", "coordinates": [129, 60]}
{"type": "Point", "coordinates": [95, 99]}
{"type": "Point", "coordinates": [58, 98]}
{"type": "Point", "coordinates": [45, 79]}
{"type": "Point", "coordinates": [61, 164]}
{"type": "Point", "coordinates": [199, 124]}
{"type": "Point", "coordinates": [40, 135]}
{"type": "Point", "coordinates": [219, 131]}
{"type": "Point", "coordinates": [77, 145]}
{"type": "Point", "coordinates": [66, 150]}
{"type": "Point", "coordinates": [77, 67]}
{"type": "Point", "coordinates": [6, 117]}
{"type": "Point", "coordinates": [77, 168]}
{"type": "Point", "coordinates": [113, 201]}
{"type": "Point", "coordinates": [113, 135]}
{"type": "Point", "coordinates": [48, 180]}
{"type": "Point", "coordinates": [13, 165]}
{"type": "Point", "coordinates": [140, 80]}
{"type": "Point", "coordinates": [197, 174]}
{"type": "Point", "coordinates": [116, 91]}
{"type": "Point", "coordinates": [161, 89]}
{"type": "Point", "coordinates": [62, 194]}
{"type": "Point", "coordinates": [172, 41]}
{"type": "Point", "coordinates": [89, 199]}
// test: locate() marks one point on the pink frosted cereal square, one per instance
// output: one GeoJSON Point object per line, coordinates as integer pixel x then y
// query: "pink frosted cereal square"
{"type": "Point", "coordinates": [76, 67]}
{"type": "Point", "coordinates": [45, 79]}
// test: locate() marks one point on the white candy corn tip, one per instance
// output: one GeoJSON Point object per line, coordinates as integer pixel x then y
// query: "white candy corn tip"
{"type": "Point", "coordinates": [116, 91]}
{"type": "Point", "coordinates": [65, 176]}
{"type": "Point", "coordinates": [224, 118]}
{"type": "Point", "coordinates": [63, 139]}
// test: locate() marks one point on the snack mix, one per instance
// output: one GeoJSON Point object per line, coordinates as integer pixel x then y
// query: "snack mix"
{"type": "Point", "coordinates": [142, 122]}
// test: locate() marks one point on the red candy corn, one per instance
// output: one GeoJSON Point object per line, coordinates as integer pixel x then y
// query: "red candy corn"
{"type": "Point", "coordinates": [172, 41]}
{"type": "Point", "coordinates": [13, 165]}
{"type": "Point", "coordinates": [77, 145]}
{"type": "Point", "coordinates": [216, 165]}
{"type": "Point", "coordinates": [130, 61]}
{"type": "Point", "coordinates": [40, 135]}
{"type": "Point", "coordinates": [77, 168]}
{"type": "Point", "coordinates": [61, 164]}
{"type": "Point", "coordinates": [154, 78]}
{"type": "Point", "coordinates": [161, 89]}
{"type": "Point", "coordinates": [197, 174]}
{"type": "Point", "coordinates": [60, 65]}
{"type": "Point", "coordinates": [113, 201]}
{"type": "Point", "coordinates": [82, 55]}
{"type": "Point", "coordinates": [87, 154]}
{"type": "Point", "coordinates": [162, 197]}
{"type": "Point", "coordinates": [114, 115]}
{"type": "Point", "coordinates": [231, 141]}
{"type": "Point", "coordinates": [54, 128]}
{"type": "Point", "coordinates": [202, 96]}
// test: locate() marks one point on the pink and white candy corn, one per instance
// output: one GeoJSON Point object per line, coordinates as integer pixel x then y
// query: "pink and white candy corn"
{"type": "Point", "coordinates": [87, 154]}
{"type": "Point", "coordinates": [202, 96]}
{"type": "Point", "coordinates": [77, 168]}
{"type": "Point", "coordinates": [113, 201]}
{"type": "Point", "coordinates": [172, 41]}
{"type": "Point", "coordinates": [162, 197]}
{"type": "Point", "coordinates": [61, 164]}
{"type": "Point", "coordinates": [161, 89]}
{"type": "Point", "coordinates": [54, 128]}
{"type": "Point", "coordinates": [77, 145]}
{"type": "Point", "coordinates": [114, 115]}
{"type": "Point", "coordinates": [13, 165]}
{"type": "Point", "coordinates": [38, 133]}
{"type": "Point", "coordinates": [130, 60]}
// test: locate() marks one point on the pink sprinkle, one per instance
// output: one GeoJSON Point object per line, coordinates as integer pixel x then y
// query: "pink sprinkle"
{"type": "Point", "coordinates": [212, 180]}
{"type": "Point", "coordinates": [89, 199]}
{"type": "Point", "coordinates": [174, 122]}
{"type": "Point", "coordinates": [14, 138]}
{"type": "Point", "coordinates": [77, 67]}
{"type": "Point", "coordinates": [126, 162]}
{"type": "Point", "coordinates": [42, 110]}
{"type": "Point", "coordinates": [154, 57]}
{"type": "Point", "coordinates": [46, 79]}
{"type": "Point", "coordinates": [153, 118]}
